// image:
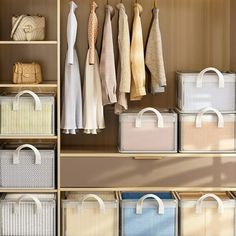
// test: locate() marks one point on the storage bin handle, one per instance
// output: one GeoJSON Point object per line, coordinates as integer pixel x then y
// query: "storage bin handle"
{"type": "Point", "coordinates": [202, 112]}
{"type": "Point", "coordinates": [139, 205]}
{"type": "Point", "coordinates": [16, 154]}
{"type": "Point", "coordinates": [203, 72]}
{"type": "Point", "coordinates": [209, 195]}
{"type": "Point", "coordinates": [99, 200]}
{"type": "Point", "coordinates": [16, 101]}
{"type": "Point", "coordinates": [138, 121]}
{"type": "Point", "coordinates": [38, 204]}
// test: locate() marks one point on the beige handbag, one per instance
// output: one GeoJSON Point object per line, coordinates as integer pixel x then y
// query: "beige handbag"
{"type": "Point", "coordinates": [27, 73]}
{"type": "Point", "coordinates": [28, 28]}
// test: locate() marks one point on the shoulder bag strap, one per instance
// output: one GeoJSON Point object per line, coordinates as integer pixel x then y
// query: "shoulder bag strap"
{"type": "Point", "coordinates": [16, 25]}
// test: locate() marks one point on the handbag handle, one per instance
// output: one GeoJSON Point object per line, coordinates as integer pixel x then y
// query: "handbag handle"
{"type": "Point", "coordinates": [203, 72]}
{"type": "Point", "coordinates": [16, 101]}
{"type": "Point", "coordinates": [204, 197]}
{"type": "Point", "coordinates": [202, 112]}
{"type": "Point", "coordinates": [139, 205]}
{"type": "Point", "coordinates": [38, 204]}
{"type": "Point", "coordinates": [138, 121]}
{"type": "Point", "coordinates": [16, 154]}
{"type": "Point", "coordinates": [99, 200]}
{"type": "Point", "coordinates": [16, 25]}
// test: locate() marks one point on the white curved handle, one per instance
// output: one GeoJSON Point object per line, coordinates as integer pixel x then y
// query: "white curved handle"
{"type": "Point", "coordinates": [99, 200]}
{"type": "Point", "coordinates": [203, 72]}
{"type": "Point", "coordinates": [139, 205]}
{"type": "Point", "coordinates": [38, 204]}
{"type": "Point", "coordinates": [16, 101]}
{"type": "Point", "coordinates": [138, 121]}
{"type": "Point", "coordinates": [202, 112]}
{"type": "Point", "coordinates": [209, 195]}
{"type": "Point", "coordinates": [16, 154]}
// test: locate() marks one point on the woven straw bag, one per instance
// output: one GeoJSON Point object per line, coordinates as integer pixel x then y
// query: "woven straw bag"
{"type": "Point", "coordinates": [28, 28]}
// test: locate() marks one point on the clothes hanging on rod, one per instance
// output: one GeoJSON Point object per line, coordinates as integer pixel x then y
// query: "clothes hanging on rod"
{"type": "Point", "coordinates": [138, 89]}
{"type": "Point", "coordinates": [154, 56]}
{"type": "Point", "coordinates": [72, 117]}
{"type": "Point", "coordinates": [124, 70]}
{"type": "Point", "coordinates": [107, 60]}
{"type": "Point", "coordinates": [93, 107]}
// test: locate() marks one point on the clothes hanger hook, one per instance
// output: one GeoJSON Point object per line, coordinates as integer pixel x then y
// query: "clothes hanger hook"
{"type": "Point", "coordinates": [155, 4]}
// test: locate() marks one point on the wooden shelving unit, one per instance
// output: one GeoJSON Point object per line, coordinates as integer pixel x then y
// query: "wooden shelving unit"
{"type": "Point", "coordinates": [27, 42]}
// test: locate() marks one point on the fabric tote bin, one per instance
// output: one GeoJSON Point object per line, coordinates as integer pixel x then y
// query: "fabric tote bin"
{"type": "Point", "coordinates": [152, 214]}
{"type": "Point", "coordinates": [28, 215]}
{"type": "Point", "coordinates": [31, 168]}
{"type": "Point", "coordinates": [199, 90]}
{"type": "Point", "coordinates": [27, 115]}
{"type": "Point", "coordinates": [148, 131]}
{"type": "Point", "coordinates": [207, 132]}
{"type": "Point", "coordinates": [90, 214]}
{"type": "Point", "coordinates": [211, 214]}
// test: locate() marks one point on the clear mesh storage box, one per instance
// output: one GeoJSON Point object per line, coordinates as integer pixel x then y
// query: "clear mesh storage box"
{"type": "Point", "coordinates": [90, 214]}
{"type": "Point", "coordinates": [204, 89]}
{"type": "Point", "coordinates": [148, 131]}
{"type": "Point", "coordinates": [27, 115]}
{"type": "Point", "coordinates": [211, 214]}
{"type": "Point", "coordinates": [152, 214]}
{"type": "Point", "coordinates": [28, 215]}
{"type": "Point", "coordinates": [32, 168]}
{"type": "Point", "coordinates": [207, 132]}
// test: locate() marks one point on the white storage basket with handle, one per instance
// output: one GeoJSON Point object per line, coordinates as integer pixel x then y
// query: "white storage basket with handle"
{"type": "Point", "coordinates": [27, 168]}
{"type": "Point", "coordinates": [207, 132]}
{"type": "Point", "coordinates": [206, 214]}
{"type": "Point", "coordinates": [27, 115]}
{"type": "Point", "coordinates": [199, 90]}
{"type": "Point", "coordinates": [90, 216]}
{"type": "Point", "coordinates": [148, 131]}
{"type": "Point", "coordinates": [28, 215]}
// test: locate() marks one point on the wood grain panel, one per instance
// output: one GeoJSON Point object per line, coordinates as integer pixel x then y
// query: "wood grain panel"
{"type": "Point", "coordinates": [168, 172]}
{"type": "Point", "coordinates": [233, 36]}
{"type": "Point", "coordinates": [196, 34]}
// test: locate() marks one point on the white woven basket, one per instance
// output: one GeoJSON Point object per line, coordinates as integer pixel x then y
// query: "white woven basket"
{"type": "Point", "coordinates": [27, 168]}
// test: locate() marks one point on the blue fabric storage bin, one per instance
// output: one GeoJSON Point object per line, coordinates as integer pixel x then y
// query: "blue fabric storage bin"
{"type": "Point", "coordinates": [143, 216]}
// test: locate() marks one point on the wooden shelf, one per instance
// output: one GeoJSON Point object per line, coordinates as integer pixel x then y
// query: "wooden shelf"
{"type": "Point", "coordinates": [29, 137]}
{"type": "Point", "coordinates": [45, 84]}
{"type": "Point", "coordinates": [23, 190]}
{"type": "Point", "coordinates": [70, 152]}
{"type": "Point", "coordinates": [28, 42]}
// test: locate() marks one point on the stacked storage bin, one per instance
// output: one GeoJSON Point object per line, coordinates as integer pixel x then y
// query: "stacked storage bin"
{"type": "Point", "coordinates": [91, 214]}
{"type": "Point", "coordinates": [148, 131]}
{"type": "Point", "coordinates": [153, 214]}
{"type": "Point", "coordinates": [207, 105]}
{"type": "Point", "coordinates": [28, 215]}
{"type": "Point", "coordinates": [211, 214]}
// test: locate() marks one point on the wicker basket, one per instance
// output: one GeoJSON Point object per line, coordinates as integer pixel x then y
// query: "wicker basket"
{"type": "Point", "coordinates": [212, 132]}
{"type": "Point", "coordinates": [142, 132]}
{"type": "Point", "coordinates": [209, 214]}
{"type": "Point", "coordinates": [28, 215]}
{"type": "Point", "coordinates": [149, 214]}
{"type": "Point", "coordinates": [90, 215]}
{"type": "Point", "coordinates": [27, 115]}
{"type": "Point", "coordinates": [27, 168]}
{"type": "Point", "coordinates": [199, 90]}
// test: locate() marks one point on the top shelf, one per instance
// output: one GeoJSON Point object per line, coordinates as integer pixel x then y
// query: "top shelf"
{"type": "Point", "coordinates": [28, 42]}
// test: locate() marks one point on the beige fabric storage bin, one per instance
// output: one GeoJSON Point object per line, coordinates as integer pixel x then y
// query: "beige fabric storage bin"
{"type": "Point", "coordinates": [148, 131]}
{"type": "Point", "coordinates": [211, 214]}
{"type": "Point", "coordinates": [209, 88]}
{"type": "Point", "coordinates": [27, 115]}
{"type": "Point", "coordinates": [207, 132]}
{"type": "Point", "coordinates": [87, 214]}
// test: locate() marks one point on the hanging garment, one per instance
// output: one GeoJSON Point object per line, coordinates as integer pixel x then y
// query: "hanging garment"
{"type": "Point", "coordinates": [137, 57]}
{"type": "Point", "coordinates": [107, 61]}
{"type": "Point", "coordinates": [72, 117]}
{"type": "Point", "coordinates": [93, 107]}
{"type": "Point", "coordinates": [92, 32]}
{"type": "Point", "coordinates": [124, 70]}
{"type": "Point", "coordinates": [154, 56]}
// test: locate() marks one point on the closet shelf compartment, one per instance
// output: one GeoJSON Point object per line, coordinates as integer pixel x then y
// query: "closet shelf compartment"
{"type": "Point", "coordinates": [27, 42]}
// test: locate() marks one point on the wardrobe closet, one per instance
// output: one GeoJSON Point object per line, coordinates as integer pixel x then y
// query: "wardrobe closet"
{"type": "Point", "coordinates": [196, 34]}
